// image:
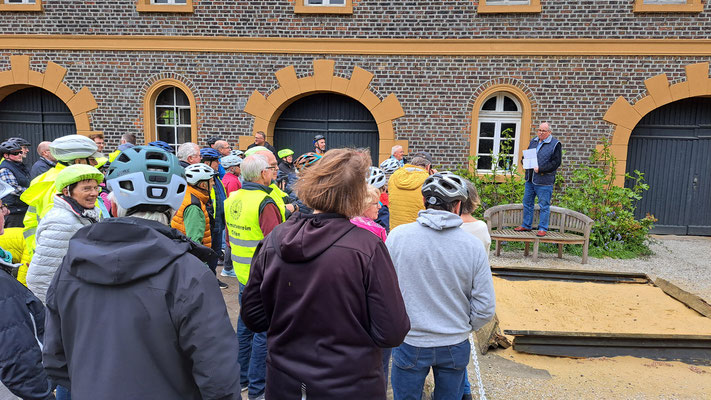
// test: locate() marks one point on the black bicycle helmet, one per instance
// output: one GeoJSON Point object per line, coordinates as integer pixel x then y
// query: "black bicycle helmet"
{"type": "Point", "coordinates": [9, 147]}
{"type": "Point", "coordinates": [162, 145]}
{"type": "Point", "coordinates": [444, 188]}
{"type": "Point", "coordinates": [20, 141]}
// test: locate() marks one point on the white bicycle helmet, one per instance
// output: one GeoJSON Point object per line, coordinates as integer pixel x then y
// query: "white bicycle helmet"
{"type": "Point", "coordinates": [238, 153]}
{"type": "Point", "coordinates": [147, 175]}
{"type": "Point", "coordinates": [230, 161]}
{"type": "Point", "coordinates": [71, 147]}
{"type": "Point", "coordinates": [444, 188]}
{"type": "Point", "coordinates": [376, 177]}
{"type": "Point", "coordinates": [5, 189]}
{"type": "Point", "coordinates": [198, 172]}
{"type": "Point", "coordinates": [390, 165]}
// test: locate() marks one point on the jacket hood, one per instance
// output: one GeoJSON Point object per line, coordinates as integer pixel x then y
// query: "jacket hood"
{"type": "Point", "coordinates": [303, 237]}
{"type": "Point", "coordinates": [438, 219]}
{"type": "Point", "coordinates": [121, 250]}
{"type": "Point", "coordinates": [409, 177]}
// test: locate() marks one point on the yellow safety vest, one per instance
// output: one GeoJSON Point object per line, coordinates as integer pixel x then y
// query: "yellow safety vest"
{"type": "Point", "coordinates": [242, 219]}
{"type": "Point", "coordinates": [278, 196]}
{"type": "Point", "coordinates": [13, 241]}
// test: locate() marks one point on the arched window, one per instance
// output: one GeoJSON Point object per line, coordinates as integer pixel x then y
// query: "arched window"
{"type": "Point", "coordinates": [499, 132]}
{"type": "Point", "coordinates": [173, 116]}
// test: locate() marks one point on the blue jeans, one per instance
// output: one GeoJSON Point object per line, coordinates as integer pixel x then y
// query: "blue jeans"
{"type": "Point", "coordinates": [412, 364]}
{"type": "Point", "coordinates": [386, 364]}
{"type": "Point", "coordinates": [63, 393]}
{"type": "Point", "coordinates": [252, 356]}
{"type": "Point", "coordinates": [544, 194]}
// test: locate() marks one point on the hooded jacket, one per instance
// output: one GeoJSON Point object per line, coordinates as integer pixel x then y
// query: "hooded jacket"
{"type": "Point", "coordinates": [21, 330]}
{"type": "Point", "coordinates": [53, 234]}
{"type": "Point", "coordinates": [133, 313]}
{"type": "Point", "coordinates": [405, 194]}
{"type": "Point", "coordinates": [326, 293]}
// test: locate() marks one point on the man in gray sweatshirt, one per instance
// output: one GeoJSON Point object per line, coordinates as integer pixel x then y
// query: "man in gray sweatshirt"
{"type": "Point", "coordinates": [445, 280]}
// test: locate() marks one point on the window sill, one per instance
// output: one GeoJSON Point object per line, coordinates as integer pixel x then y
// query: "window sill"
{"type": "Point", "coordinates": [534, 7]}
{"type": "Point", "coordinates": [300, 8]}
{"type": "Point", "coordinates": [692, 7]}
{"type": "Point", "coordinates": [21, 7]}
{"type": "Point", "coordinates": [146, 6]}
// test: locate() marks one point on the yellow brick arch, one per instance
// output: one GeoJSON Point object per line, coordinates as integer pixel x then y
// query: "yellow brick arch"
{"type": "Point", "coordinates": [267, 109]}
{"type": "Point", "coordinates": [625, 116]}
{"type": "Point", "coordinates": [20, 76]}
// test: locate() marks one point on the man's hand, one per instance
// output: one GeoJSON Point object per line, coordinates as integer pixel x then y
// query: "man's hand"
{"type": "Point", "coordinates": [290, 207]}
{"type": "Point", "coordinates": [536, 169]}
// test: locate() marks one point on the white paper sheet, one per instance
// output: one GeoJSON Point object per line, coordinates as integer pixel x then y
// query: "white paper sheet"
{"type": "Point", "coordinates": [530, 160]}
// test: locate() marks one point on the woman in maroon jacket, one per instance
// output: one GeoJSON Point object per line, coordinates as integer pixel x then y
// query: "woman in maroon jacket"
{"type": "Point", "coordinates": [326, 292]}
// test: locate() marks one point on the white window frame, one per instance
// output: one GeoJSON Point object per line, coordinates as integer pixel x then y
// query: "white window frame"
{"type": "Point", "coordinates": [178, 119]}
{"type": "Point", "coordinates": [508, 2]}
{"type": "Point", "coordinates": [21, 2]}
{"type": "Point", "coordinates": [326, 3]}
{"type": "Point", "coordinates": [498, 117]}
{"type": "Point", "coordinates": [170, 2]}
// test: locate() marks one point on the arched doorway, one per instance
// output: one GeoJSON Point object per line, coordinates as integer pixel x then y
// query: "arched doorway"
{"type": "Point", "coordinates": [36, 115]}
{"type": "Point", "coordinates": [671, 146]}
{"type": "Point", "coordinates": [343, 121]}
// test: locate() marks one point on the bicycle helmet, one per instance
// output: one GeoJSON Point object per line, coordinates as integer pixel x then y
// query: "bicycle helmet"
{"type": "Point", "coordinates": [9, 147]}
{"type": "Point", "coordinates": [390, 165]}
{"type": "Point", "coordinates": [318, 137]}
{"type": "Point", "coordinates": [76, 173]}
{"type": "Point", "coordinates": [198, 172]}
{"type": "Point", "coordinates": [285, 153]}
{"type": "Point", "coordinates": [209, 154]}
{"type": "Point", "coordinates": [20, 141]}
{"type": "Point", "coordinates": [71, 147]}
{"type": "Point", "coordinates": [238, 153]}
{"type": "Point", "coordinates": [5, 188]}
{"type": "Point", "coordinates": [306, 160]}
{"type": "Point", "coordinates": [230, 161]}
{"type": "Point", "coordinates": [376, 177]}
{"type": "Point", "coordinates": [147, 175]}
{"type": "Point", "coordinates": [444, 188]}
{"type": "Point", "coordinates": [162, 145]}
{"type": "Point", "coordinates": [255, 150]}
{"type": "Point", "coordinates": [212, 140]}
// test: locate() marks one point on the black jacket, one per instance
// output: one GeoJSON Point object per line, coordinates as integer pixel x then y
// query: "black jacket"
{"type": "Point", "coordinates": [327, 295]}
{"type": "Point", "coordinates": [40, 167]}
{"type": "Point", "coordinates": [133, 313]}
{"type": "Point", "coordinates": [268, 146]}
{"type": "Point", "coordinates": [21, 331]}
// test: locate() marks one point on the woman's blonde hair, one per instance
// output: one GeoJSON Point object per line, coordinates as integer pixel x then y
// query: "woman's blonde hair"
{"type": "Point", "coordinates": [335, 184]}
{"type": "Point", "coordinates": [371, 194]}
{"type": "Point", "coordinates": [472, 202]}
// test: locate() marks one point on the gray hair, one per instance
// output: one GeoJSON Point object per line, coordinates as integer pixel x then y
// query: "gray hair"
{"type": "Point", "coordinates": [186, 150]}
{"type": "Point", "coordinates": [252, 167]}
{"type": "Point", "coordinates": [149, 215]}
{"type": "Point", "coordinates": [394, 149]}
{"type": "Point", "coordinates": [129, 138]}
{"type": "Point", "coordinates": [420, 162]}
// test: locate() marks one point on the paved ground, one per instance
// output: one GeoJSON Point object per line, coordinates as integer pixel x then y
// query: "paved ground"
{"type": "Point", "coordinates": [507, 374]}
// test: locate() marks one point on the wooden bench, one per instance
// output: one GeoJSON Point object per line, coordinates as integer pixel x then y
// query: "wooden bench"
{"type": "Point", "coordinates": [572, 228]}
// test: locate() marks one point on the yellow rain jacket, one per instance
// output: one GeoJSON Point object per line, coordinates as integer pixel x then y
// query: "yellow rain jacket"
{"type": "Point", "coordinates": [405, 194]}
{"type": "Point", "coordinates": [13, 241]}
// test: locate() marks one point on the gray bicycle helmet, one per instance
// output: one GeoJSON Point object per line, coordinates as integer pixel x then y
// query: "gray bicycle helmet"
{"type": "Point", "coordinates": [376, 177]}
{"type": "Point", "coordinates": [444, 188]}
{"type": "Point", "coordinates": [238, 153]}
{"type": "Point", "coordinates": [71, 147]}
{"type": "Point", "coordinates": [147, 175]}
{"type": "Point", "coordinates": [230, 161]}
{"type": "Point", "coordinates": [198, 172]}
{"type": "Point", "coordinates": [390, 165]}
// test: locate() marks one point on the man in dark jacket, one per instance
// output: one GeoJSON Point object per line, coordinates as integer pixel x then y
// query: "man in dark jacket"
{"type": "Point", "coordinates": [45, 162]}
{"type": "Point", "coordinates": [16, 174]}
{"type": "Point", "coordinates": [540, 180]}
{"type": "Point", "coordinates": [21, 332]}
{"type": "Point", "coordinates": [260, 139]}
{"type": "Point", "coordinates": [132, 311]}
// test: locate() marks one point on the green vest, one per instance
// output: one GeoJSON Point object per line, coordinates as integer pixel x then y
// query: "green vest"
{"type": "Point", "coordinates": [242, 219]}
{"type": "Point", "coordinates": [278, 196]}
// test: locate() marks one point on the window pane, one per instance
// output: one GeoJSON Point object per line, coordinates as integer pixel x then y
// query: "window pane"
{"type": "Point", "coordinates": [183, 135]}
{"type": "Point", "coordinates": [165, 98]}
{"type": "Point", "coordinates": [489, 105]}
{"type": "Point", "coordinates": [505, 162]}
{"type": "Point", "coordinates": [166, 134]}
{"type": "Point", "coordinates": [509, 104]}
{"type": "Point", "coordinates": [486, 146]}
{"type": "Point", "coordinates": [180, 2]}
{"type": "Point", "coordinates": [184, 116]}
{"type": "Point", "coordinates": [337, 2]}
{"type": "Point", "coordinates": [508, 131]}
{"type": "Point", "coordinates": [180, 98]}
{"type": "Point", "coordinates": [486, 129]}
{"type": "Point", "coordinates": [160, 1]}
{"type": "Point", "coordinates": [506, 147]}
{"type": "Point", "coordinates": [484, 162]}
{"type": "Point", "coordinates": [165, 116]}
{"type": "Point", "coordinates": [317, 2]}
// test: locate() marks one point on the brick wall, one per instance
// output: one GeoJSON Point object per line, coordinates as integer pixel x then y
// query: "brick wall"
{"type": "Point", "coordinates": [370, 19]}
{"type": "Point", "coordinates": [436, 93]}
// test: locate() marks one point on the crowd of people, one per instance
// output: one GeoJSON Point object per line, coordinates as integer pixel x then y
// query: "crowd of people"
{"type": "Point", "coordinates": [341, 266]}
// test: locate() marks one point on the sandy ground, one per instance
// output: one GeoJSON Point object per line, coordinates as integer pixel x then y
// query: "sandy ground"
{"type": "Point", "coordinates": [507, 374]}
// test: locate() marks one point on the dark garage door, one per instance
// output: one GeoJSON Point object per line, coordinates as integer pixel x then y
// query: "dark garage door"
{"type": "Point", "coordinates": [672, 146]}
{"type": "Point", "coordinates": [36, 115]}
{"type": "Point", "coordinates": [343, 121]}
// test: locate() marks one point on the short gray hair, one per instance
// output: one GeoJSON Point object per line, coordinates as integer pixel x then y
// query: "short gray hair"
{"type": "Point", "coordinates": [186, 150]}
{"type": "Point", "coordinates": [420, 162]}
{"type": "Point", "coordinates": [252, 167]}
{"type": "Point", "coordinates": [129, 138]}
{"type": "Point", "coordinates": [397, 146]}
